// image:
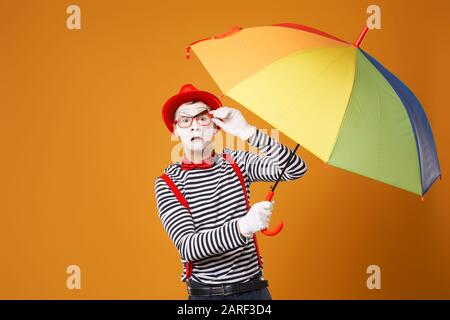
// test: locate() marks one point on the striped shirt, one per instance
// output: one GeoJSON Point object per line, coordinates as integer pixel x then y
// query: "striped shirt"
{"type": "Point", "coordinates": [209, 236]}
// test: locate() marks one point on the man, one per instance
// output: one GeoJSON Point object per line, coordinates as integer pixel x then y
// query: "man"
{"type": "Point", "coordinates": [203, 201]}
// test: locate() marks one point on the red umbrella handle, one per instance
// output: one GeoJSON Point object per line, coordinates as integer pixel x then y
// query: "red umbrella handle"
{"type": "Point", "coordinates": [280, 226]}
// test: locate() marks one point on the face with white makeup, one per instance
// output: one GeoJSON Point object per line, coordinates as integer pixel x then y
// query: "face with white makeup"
{"type": "Point", "coordinates": [196, 138]}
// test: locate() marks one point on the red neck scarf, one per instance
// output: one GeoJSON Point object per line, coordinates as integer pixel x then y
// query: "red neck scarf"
{"type": "Point", "coordinates": [205, 164]}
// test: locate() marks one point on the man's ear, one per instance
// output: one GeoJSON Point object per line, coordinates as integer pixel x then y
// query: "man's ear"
{"type": "Point", "coordinates": [175, 133]}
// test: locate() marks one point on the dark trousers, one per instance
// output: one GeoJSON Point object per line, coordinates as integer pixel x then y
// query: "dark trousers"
{"type": "Point", "coordinates": [261, 294]}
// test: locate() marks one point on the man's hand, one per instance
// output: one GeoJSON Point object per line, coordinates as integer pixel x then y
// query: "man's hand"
{"type": "Point", "coordinates": [232, 121]}
{"type": "Point", "coordinates": [256, 219]}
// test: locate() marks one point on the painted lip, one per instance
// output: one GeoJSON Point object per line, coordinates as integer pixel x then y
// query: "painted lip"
{"type": "Point", "coordinates": [193, 139]}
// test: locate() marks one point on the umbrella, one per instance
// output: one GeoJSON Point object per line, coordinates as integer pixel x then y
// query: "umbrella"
{"type": "Point", "coordinates": [329, 95]}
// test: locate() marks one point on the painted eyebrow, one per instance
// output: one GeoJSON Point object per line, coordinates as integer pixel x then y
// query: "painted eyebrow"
{"type": "Point", "coordinates": [201, 112]}
{"type": "Point", "coordinates": [204, 111]}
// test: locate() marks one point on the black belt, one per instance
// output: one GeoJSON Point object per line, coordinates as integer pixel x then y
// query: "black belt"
{"type": "Point", "coordinates": [197, 289]}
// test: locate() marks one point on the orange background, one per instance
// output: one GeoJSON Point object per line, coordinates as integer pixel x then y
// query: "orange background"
{"type": "Point", "coordinates": [82, 142]}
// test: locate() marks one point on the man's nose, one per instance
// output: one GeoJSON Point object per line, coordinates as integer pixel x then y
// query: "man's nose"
{"type": "Point", "coordinates": [195, 125]}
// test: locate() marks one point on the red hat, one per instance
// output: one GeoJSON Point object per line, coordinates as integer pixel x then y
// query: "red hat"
{"type": "Point", "coordinates": [187, 93]}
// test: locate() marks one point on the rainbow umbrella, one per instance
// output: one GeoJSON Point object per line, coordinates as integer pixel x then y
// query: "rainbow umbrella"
{"type": "Point", "coordinates": [329, 95]}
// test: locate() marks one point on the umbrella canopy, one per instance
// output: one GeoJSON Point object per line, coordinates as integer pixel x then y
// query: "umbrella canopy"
{"type": "Point", "coordinates": [329, 95]}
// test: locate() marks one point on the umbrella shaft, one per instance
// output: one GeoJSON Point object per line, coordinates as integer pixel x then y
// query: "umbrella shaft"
{"type": "Point", "coordinates": [288, 162]}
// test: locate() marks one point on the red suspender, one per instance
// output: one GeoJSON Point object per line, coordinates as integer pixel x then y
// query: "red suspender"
{"type": "Point", "coordinates": [185, 204]}
{"type": "Point", "coordinates": [244, 190]}
{"type": "Point", "coordinates": [176, 191]}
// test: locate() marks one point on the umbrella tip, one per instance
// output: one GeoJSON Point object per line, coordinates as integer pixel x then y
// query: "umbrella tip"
{"type": "Point", "coordinates": [188, 52]}
{"type": "Point", "coordinates": [361, 37]}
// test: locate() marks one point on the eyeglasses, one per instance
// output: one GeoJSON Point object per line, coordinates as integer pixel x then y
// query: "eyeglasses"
{"type": "Point", "coordinates": [203, 119]}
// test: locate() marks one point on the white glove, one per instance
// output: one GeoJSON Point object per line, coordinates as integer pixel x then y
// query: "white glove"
{"type": "Point", "coordinates": [256, 219]}
{"type": "Point", "coordinates": [232, 121]}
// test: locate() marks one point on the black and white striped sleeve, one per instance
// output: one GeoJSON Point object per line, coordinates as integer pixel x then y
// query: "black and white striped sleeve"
{"type": "Point", "coordinates": [268, 166]}
{"type": "Point", "coordinates": [178, 223]}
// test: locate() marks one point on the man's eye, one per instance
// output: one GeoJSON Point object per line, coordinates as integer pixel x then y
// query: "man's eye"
{"type": "Point", "coordinates": [184, 120]}
{"type": "Point", "coordinates": [202, 118]}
